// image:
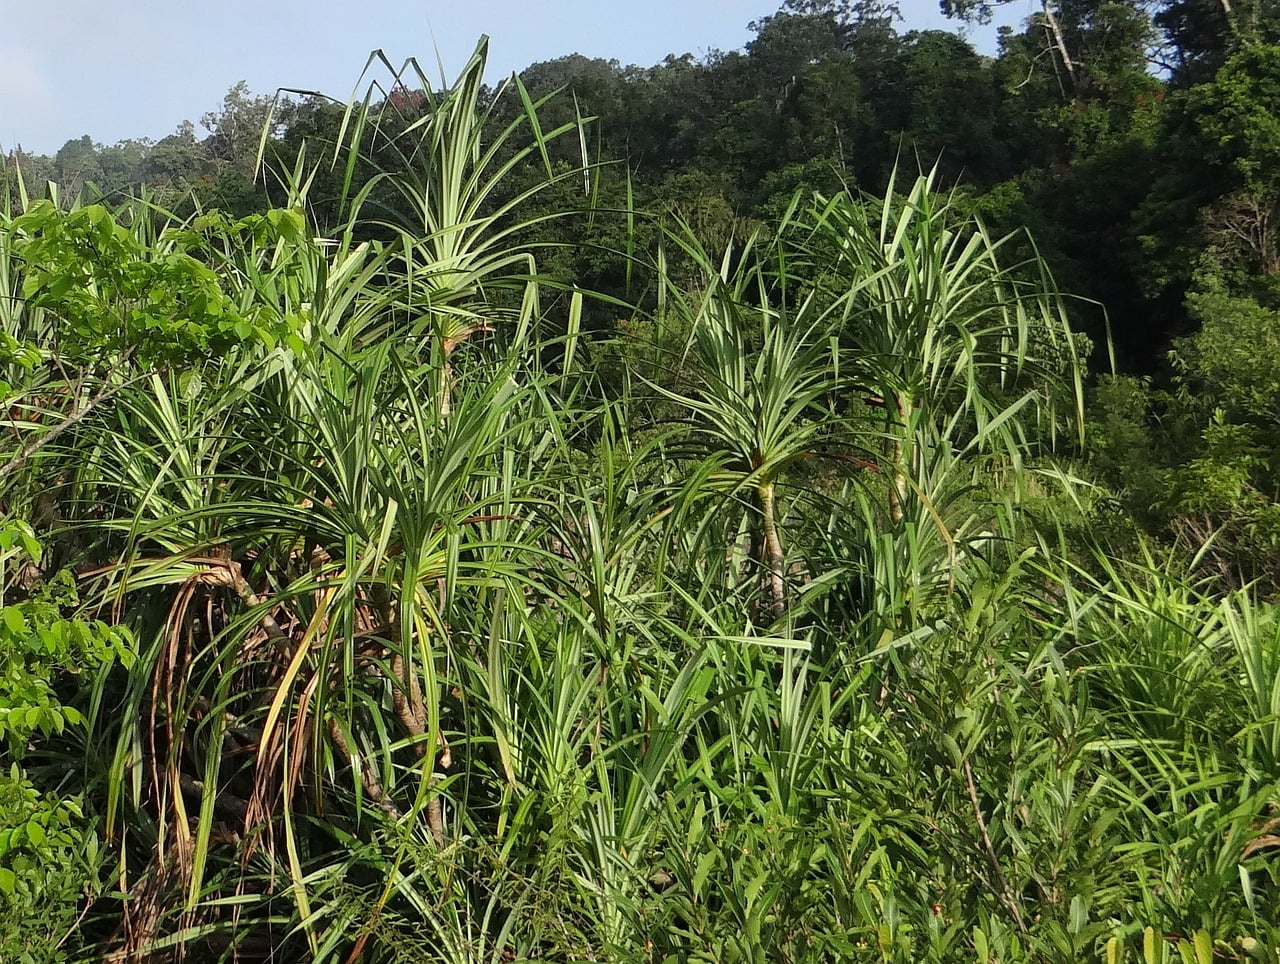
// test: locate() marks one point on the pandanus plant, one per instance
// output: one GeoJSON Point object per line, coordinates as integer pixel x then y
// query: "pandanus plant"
{"type": "Point", "coordinates": [765, 372]}
{"type": "Point", "coordinates": [964, 349]}
{"type": "Point", "coordinates": [914, 308]}
{"type": "Point", "coordinates": [290, 523]}
{"type": "Point", "coordinates": [459, 229]}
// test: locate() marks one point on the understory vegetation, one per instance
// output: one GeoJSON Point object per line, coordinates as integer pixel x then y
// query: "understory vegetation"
{"type": "Point", "coordinates": [368, 597]}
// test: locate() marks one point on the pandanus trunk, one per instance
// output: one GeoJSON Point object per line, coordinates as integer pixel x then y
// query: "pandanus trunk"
{"type": "Point", "coordinates": [446, 383]}
{"type": "Point", "coordinates": [406, 696]}
{"type": "Point", "coordinates": [448, 344]}
{"type": "Point", "coordinates": [775, 588]}
{"type": "Point", "coordinates": [900, 456]}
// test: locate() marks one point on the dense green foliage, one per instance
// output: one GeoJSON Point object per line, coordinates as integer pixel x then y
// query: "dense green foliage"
{"type": "Point", "coordinates": [445, 527]}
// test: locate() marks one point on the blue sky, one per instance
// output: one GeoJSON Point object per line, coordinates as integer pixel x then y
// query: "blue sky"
{"type": "Point", "coordinates": [137, 68]}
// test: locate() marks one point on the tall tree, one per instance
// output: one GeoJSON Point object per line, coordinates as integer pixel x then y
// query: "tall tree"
{"type": "Point", "coordinates": [1201, 34]}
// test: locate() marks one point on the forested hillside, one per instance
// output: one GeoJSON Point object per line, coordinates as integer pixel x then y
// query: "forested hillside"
{"type": "Point", "coordinates": [813, 503]}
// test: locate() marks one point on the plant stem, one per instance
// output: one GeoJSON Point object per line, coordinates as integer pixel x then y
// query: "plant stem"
{"type": "Point", "coordinates": [772, 551]}
{"type": "Point", "coordinates": [1002, 886]}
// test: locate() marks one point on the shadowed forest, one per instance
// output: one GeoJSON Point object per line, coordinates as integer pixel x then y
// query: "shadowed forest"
{"type": "Point", "coordinates": [816, 502]}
